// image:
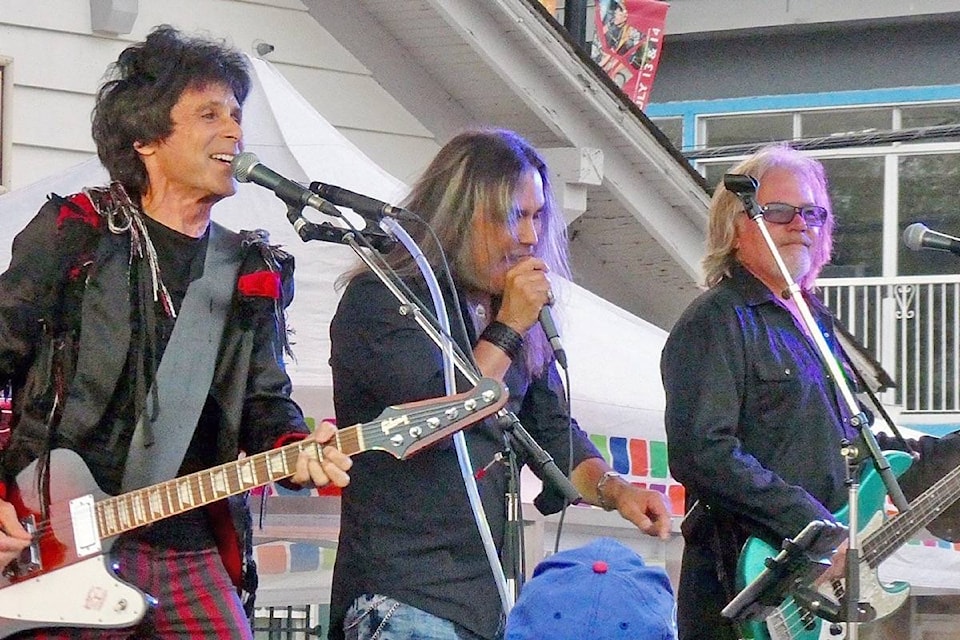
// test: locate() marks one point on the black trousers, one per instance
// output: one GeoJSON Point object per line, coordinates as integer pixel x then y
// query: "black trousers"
{"type": "Point", "coordinates": [701, 597]}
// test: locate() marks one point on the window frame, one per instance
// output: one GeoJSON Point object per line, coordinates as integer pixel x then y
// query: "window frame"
{"type": "Point", "coordinates": [6, 125]}
{"type": "Point", "coordinates": [891, 153]}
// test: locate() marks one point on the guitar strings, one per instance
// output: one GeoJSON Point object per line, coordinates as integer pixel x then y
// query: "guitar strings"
{"type": "Point", "coordinates": [371, 431]}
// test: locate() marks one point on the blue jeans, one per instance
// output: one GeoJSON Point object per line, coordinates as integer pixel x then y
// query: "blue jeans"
{"type": "Point", "coordinates": [377, 617]}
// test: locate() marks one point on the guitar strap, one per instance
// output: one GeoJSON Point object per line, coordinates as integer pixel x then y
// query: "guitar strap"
{"type": "Point", "coordinates": [186, 369]}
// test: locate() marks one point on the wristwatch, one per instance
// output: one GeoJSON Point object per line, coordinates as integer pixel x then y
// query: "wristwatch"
{"type": "Point", "coordinates": [601, 483]}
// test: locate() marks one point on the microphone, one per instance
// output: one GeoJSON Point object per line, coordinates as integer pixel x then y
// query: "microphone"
{"type": "Point", "coordinates": [550, 328]}
{"type": "Point", "coordinates": [248, 168]}
{"type": "Point", "coordinates": [918, 236]}
{"type": "Point", "coordinates": [367, 207]}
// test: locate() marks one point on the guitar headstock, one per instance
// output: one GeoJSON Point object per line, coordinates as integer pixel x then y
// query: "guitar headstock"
{"type": "Point", "coordinates": [406, 429]}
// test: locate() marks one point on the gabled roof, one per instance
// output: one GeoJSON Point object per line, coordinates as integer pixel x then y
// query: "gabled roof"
{"type": "Point", "coordinates": [508, 63]}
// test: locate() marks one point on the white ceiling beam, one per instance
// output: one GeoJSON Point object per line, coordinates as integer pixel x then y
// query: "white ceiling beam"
{"type": "Point", "coordinates": [378, 50]}
{"type": "Point", "coordinates": [572, 170]}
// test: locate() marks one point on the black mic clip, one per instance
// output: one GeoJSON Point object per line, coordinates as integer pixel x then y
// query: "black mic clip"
{"type": "Point", "coordinates": [538, 459]}
{"type": "Point", "coordinates": [744, 187]}
{"type": "Point", "coordinates": [327, 232]}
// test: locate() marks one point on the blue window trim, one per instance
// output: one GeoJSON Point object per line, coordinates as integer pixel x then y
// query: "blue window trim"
{"type": "Point", "coordinates": [689, 110]}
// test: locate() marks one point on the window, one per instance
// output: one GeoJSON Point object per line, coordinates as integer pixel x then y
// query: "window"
{"type": "Point", "coordinates": [6, 91]}
{"type": "Point", "coordinates": [929, 188]}
{"type": "Point", "coordinates": [3, 142]}
{"type": "Point", "coordinates": [721, 131]}
{"type": "Point", "coordinates": [713, 172]}
{"type": "Point", "coordinates": [815, 124]}
{"type": "Point", "coordinates": [856, 191]}
{"type": "Point", "coordinates": [672, 128]}
{"type": "Point", "coordinates": [878, 187]}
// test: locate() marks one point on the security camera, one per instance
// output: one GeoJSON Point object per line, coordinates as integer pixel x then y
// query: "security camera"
{"type": "Point", "coordinates": [263, 48]}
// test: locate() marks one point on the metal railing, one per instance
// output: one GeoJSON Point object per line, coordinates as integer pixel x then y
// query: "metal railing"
{"type": "Point", "coordinates": [912, 326]}
{"type": "Point", "coordinates": [287, 623]}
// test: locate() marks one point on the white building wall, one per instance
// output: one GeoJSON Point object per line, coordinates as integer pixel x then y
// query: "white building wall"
{"type": "Point", "coordinates": [57, 63]}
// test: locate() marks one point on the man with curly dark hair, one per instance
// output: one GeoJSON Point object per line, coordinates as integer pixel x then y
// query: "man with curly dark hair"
{"type": "Point", "coordinates": [144, 343]}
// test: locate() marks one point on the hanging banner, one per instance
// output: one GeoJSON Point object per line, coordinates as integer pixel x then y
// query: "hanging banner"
{"type": "Point", "coordinates": [627, 43]}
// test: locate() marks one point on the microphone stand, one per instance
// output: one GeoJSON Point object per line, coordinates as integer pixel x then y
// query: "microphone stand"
{"type": "Point", "coordinates": [515, 434]}
{"type": "Point", "coordinates": [745, 188]}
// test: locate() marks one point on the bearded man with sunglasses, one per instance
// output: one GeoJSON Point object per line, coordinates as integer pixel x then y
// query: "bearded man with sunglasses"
{"type": "Point", "coordinates": [754, 422]}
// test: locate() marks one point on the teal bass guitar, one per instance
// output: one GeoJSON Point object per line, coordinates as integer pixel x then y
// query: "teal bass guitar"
{"type": "Point", "coordinates": [880, 537]}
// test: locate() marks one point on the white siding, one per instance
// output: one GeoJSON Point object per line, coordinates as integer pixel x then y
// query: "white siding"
{"type": "Point", "coordinates": [58, 63]}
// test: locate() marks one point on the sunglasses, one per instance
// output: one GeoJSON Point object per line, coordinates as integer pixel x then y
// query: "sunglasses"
{"type": "Point", "coordinates": [782, 213]}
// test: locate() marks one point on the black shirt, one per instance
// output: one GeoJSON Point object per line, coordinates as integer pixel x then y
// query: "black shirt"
{"type": "Point", "coordinates": [406, 527]}
{"type": "Point", "coordinates": [180, 258]}
{"type": "Point", "coordinates": [754, 421]}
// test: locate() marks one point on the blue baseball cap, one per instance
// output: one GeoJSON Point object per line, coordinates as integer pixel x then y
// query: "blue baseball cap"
{"type": "Point", "coordinates": [600, 591]}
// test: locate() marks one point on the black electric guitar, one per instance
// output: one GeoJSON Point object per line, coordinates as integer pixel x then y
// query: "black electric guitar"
{"type": "Point", "coordinates": [64, 577]}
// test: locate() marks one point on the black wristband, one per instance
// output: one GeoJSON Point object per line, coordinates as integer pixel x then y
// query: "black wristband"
{"type": "Point", "coordinates": [503, 336]}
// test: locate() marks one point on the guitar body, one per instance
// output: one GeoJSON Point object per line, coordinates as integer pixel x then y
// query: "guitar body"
{"type": "Point", "coordinates": [792, 622]}
{"type": "Point", "coordinates": [68, 581]}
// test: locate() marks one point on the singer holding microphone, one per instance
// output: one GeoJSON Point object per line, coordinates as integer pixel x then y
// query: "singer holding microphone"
{"type": "Point", "coordinates": [410, 561]}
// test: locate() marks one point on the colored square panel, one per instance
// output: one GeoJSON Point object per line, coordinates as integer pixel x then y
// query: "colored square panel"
{"type": "Point", "coordinates": [284, 491]}
{"type": "Point", "coordinates": [272, 558]}
{"type": "Point", "coordinates": [619, 455]}
{"type": "Point", "coordinates": [304, 557]}
{"type": "Point", "coordinates": [639, 460]}
{"type": "Point", "coordinates": [677, 495]}
{"type": "Point", "coordinates": [600, 442]}
{"type": "Point", "coordinates": [658, 459]}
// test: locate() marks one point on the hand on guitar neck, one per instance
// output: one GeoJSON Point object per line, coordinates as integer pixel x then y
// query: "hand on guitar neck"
{"type": "Point", "coordinates": [838, 566]}
{"type": "Point", "coordinates": [330, 466]}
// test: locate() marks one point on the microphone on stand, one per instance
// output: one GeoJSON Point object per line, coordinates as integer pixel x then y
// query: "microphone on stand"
{"type": "Point", "coordinates": [365, 206]}
{"type": "Point", "coordinates": [918, 236]}
{"type": "Point", "coordinates": [248, 168]}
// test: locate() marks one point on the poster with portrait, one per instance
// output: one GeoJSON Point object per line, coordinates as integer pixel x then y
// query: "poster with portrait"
{"type": "Point", "coordinates": [627, 43]}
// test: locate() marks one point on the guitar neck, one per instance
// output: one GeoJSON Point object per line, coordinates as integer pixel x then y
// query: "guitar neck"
{"type": "Point", "coordinates": [116, 515]}
{"type": "Point", "coordinates": [400, 431]}
{"type": "Point", "coordinates": [893, 534]}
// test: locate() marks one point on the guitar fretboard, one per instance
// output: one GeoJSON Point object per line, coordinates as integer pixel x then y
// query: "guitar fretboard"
{"type": "Point", "coordinates": [923, 510]}
{"type": "Point", "coordinates": [401, 431]}
{"type": "Point", "coordinates": [119, 514]}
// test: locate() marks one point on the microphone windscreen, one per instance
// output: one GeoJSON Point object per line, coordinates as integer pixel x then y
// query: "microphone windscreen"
{"type": "Point", "coordinates": [913, 236]}
{"type": "Point", "coordinates": [242, 164]}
